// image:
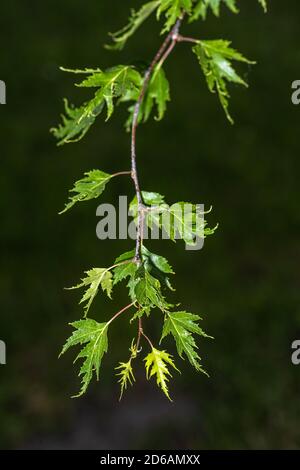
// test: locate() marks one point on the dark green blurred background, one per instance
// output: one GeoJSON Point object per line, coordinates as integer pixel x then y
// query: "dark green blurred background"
{"type": "Point", "coordinates": [245, 283]}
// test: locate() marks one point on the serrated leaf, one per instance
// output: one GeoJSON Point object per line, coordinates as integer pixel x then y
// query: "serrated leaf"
{"type": "Point", "coordinates": [136, 19]}
{"type": "Point", "coordinates": [181, 325]}
{"type": "Point", "coordinates": [215, 58]}
{"type": "Point", "coordinates": [181, 220]}
{"type": "Point", "coordinates": [156, 364]}
{"type": "Point", "coordinates": [156, 265]}
{"type": "Point", "coordinates": [172, 9]}
{"type": "Point", "coordinates": [94, 336]}
{"type": "Point", "coordinates": [156, 97]}
{"type": "Point", "coordinates": [95, 278]}
{"type": "Point", "coordinates": [124, 270]}
{"type": "Point", "coordinates": [74, 126]}
{"type": "Point", "coordinates": [158, 93]}
{"type": "Point", "coordinates": [90, 187]}
{"type": "Point", "coordinates": [202, 7]}
{"type": "Point", "coordinates": [126, 376]}
{"type": "Point", "coordinates": [147, 291]}
{"type": "Point", "coordinates": [111, 84]}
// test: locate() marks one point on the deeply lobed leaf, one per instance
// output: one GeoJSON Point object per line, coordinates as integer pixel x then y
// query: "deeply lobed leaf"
{"type": "Point", "coordinates": [215, 58]}
{"type": "Point", "coordinates": [181, 325]}
{"type": "Point", "coordinates": [156, 364]}
{"type": "Point", "coordinates": [95, 278]}
{"type": "Point", "coordinates": [112, 83]}
{"type": "Point", "coordinates": [136, 19]}
{"type": "Point", "coordinates": [94, 336]}
{"type": "Point", "coordinates": [181, 220]}
{"type": "Point", "coordinates": [90, 187]}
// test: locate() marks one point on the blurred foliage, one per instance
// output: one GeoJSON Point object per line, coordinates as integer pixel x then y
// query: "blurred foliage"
{"type": "Point", "coordinates": [244, 283]}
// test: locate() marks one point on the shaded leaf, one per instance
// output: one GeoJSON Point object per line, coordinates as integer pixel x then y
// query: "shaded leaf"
{"type": "Point", "coordinates": [136, 19]}
{"type": "Point", "coordinates": [202, 7]}
{"type": "Point", "coordinates": [172, 9]}
{"type": "Point", "coordinates": [147, 291]}
{"type": "Point", "coordinates": [74, 126]}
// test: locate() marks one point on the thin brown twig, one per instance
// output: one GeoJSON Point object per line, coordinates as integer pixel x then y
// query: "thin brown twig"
{"type": "Point", "coordinates": [146, 337]}
{"type": "Point", "coordinates": [120, 173]}
{"type": "Point", "coordinates": [162, 54]}
{"type": "Point", "coordinates": [120, 312]}
{"type": "Point", "coordinates": [140, 330]}
{"type": "Point", "coordinates": [187, 39]}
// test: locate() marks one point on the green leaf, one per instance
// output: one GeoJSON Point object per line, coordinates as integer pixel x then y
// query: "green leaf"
{"type": "Point", "coordinates": [156, 265]}
{"type": "Point", "coordinates": [136, 19]}
{"type": "Point", "coordinates": [215, 58]}
{"type": "Point", "coordinates": [157, 96]}
{"type": "Point", "coordinates": [147, 291]}
{"type": "Point", "coordinates": [158, 93]}
{"type": "Point", "coordinates": [172, 10]}
{"type": "Point", "coordinates": [157, 365]}
{"type": "Point", "coordinates": [202, 7]}
{"type": "Point", "coordinates": [95, 278]}
{"type": "Point", "coordinates": [126, 376]}
{"type": "Point", "coordinates": [94, 336]}
{"type": "Point", "coordinates": [182, 220]}
{"type": "Point", "coordinates": [74, 126]}
{"type": "Point", "coordinates": [89, 187]}
{"type": "Point", "coordinates": [124, 270]}
{"type": "Point", "coordinates": [112, 83]}
{"type": "Point", "coordinates": [181, 325]}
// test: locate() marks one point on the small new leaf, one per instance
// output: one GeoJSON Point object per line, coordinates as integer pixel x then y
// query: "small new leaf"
{"type": "Point", "coordinates": [94, 336]}
{"type": "Point", "coordinates": [95, 278]}
{"type": "Point", "coordinates": [181, 325]}
{"type": "Point", "coordinates": [126, 376]}
{"type": "Point", "coordinates": [89, 187]}
{"type": "Point", "coordinates": [215, 58]}
{"type": "Point", "coordinates": [157, 365]}
{"type": "Point", "coordinates": [136, 19]}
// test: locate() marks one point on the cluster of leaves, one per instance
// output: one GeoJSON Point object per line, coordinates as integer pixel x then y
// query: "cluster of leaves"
{"type": "Point", "coordinates": [147, 277]}
{"type": "Point", "coordinates": [172, 10]}
{"type": "Point", "coordinates": [147, 283]}
{"type": "Point", "coordinates": [182, 220]}
{"type": "Point", "coordinates": [123, 83]}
